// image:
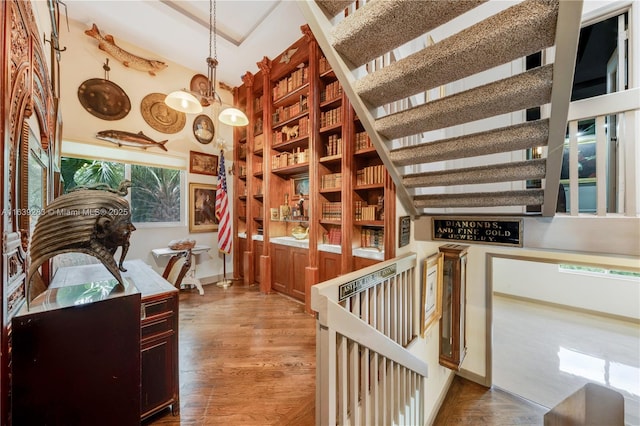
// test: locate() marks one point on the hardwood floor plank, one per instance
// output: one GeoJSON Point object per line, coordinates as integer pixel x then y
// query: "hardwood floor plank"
{"type": "Point", "coordinates": [245, 359]}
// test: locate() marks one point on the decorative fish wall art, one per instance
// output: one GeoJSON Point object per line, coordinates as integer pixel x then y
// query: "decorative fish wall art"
{"type": "Point", "coordinates": [128, 59]}
{"type": "Point", "coordinates": [122, 138]}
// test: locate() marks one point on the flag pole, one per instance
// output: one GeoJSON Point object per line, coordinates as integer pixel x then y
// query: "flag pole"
{"type": "Point", "coordinates": [224, 283]}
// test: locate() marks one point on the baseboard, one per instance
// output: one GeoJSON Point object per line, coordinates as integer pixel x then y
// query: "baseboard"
{"type": "Point", "coordinates": [441, 398]}
{"type": "Point", "coordinates": [567, 307]}
{"type": "Point", "coordinates": [473, 377]}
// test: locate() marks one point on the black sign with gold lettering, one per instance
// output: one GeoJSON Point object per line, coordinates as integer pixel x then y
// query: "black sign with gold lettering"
{"type": "Point", "coordinates": [478, 230]}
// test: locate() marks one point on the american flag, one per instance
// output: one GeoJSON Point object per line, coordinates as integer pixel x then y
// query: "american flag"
{"type": "Point", "coordinates": [222, 210]}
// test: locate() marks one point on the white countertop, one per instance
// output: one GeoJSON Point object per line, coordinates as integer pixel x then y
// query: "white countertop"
{"type": "Point", "coordinates": [369, 253]}
{"type": "Point", "coordinates": [290, 241]}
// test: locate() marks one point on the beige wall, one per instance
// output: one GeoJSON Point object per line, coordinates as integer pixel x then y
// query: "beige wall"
{"type": "Point", "coordinates": [83, 60]}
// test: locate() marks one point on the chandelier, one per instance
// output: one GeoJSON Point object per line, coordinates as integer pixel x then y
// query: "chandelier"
{"type": "Point", "coordinates": [188, 102]}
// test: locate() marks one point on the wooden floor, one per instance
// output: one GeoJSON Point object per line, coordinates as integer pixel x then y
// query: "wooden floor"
{"type": "Point", "coordinates": [468, 403]}
{"type": "Point", "coordinates": [249, 359]}
{"type": "Point", "coordinates": [245, 359]}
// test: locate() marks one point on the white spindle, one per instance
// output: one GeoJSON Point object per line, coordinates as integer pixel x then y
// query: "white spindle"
{"type": "Point", "coordinates": [573, 167]}
{"type": "Point", "coordinates": [601, 166]}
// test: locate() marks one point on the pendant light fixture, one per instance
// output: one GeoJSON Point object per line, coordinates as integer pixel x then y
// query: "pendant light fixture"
{"type": "Point", "coordinates": [184, 101]}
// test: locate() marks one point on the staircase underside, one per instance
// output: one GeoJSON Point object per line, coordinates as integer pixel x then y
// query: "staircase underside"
{"type": "Point", "coordinates": [468, 148]}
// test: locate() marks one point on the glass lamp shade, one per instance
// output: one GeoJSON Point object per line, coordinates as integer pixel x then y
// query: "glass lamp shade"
{"type": "Point", "coordinates": [183, 102]}
{"type": "Point", "coordinates": [233, 117]}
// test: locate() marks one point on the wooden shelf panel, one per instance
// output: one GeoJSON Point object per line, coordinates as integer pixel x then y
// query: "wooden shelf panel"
{"type": "Point", "coordinates": [368, 187]}
{"type": "Point", "coordinates": [291, 96]}
{"type": "Point", "coordinates": [292, 169]}
{"type": "Point", "coordinates": [290, 119]}
{"type": "Point", "coordinates": [333, 159]}
{"type": "Point", "coordinates": [299, 142]}
{"type": "Point", "coordinates": [336, 126]}
{"type": "Point", "coordinates": [376, 223]}
{"type": "Point", "coordinates": [330, 190]}
{"type": "Point", "coordinates": [331, 102]}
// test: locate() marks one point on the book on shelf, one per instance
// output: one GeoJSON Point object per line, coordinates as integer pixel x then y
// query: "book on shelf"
{"type": "Point", "coordinates": [331, 181]}
{"type": "Point", "coordinates": [362, 141]}
{"type": "Point", "coordinates": [370, 175]}
{"type": "Point", "coordinates": [333, 145]}
{"type": "Point", "coordinates": [331, 117]}
{"type": "Point", "coordinates": [290, 83]}
{"type": "Point", "coordinates": [334, 236]}
{"type": "Point", "coordinates": [332, 211]}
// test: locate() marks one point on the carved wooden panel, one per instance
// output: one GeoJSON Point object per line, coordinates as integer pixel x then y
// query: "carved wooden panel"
{"type": "Point", "coordinates": [26, 88]}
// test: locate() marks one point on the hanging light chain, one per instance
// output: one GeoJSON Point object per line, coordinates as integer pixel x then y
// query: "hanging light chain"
{"type": "Point", "coordinates": [212, 61]}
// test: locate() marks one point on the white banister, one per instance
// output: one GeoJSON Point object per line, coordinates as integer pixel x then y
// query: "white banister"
{"type": "Point", "coordinates": [365, 319]}
{"type": "Point", "coordinates": [624, 106]}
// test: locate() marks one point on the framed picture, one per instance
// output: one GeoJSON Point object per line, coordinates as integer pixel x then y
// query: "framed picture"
{"type": "Point", "coordinates": [204, 164]}
{"type": "Point", "coordinates": [202, 208]}
{"type": "Point", "coordinates": [301, 186]}
{"type": "Point", "coordinates": [203, 129]}
{"type": "Point", "coordinates": [431, 292]}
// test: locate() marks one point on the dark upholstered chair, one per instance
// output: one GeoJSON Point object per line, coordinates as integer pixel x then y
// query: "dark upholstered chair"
{"type": "Point", "coordinates": [177, 268]}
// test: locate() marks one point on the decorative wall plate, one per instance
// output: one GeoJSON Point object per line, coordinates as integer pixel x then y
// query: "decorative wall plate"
{"type": "Point", "coordinates": [160, 116]}
{"type": "Point", "coordinates": [199, 83]}
{"type": "Point", "coordinates": [203, 129]}
{"type": "Point", "coordinates": [104, 99]}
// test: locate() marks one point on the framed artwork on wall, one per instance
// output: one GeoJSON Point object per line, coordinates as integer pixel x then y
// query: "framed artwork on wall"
{"type": "Point", "coordinates": [203, 129]}
{"type": "Point", "coordinates": [202, 207]}
{"type": "Point", "coordinates": [431, 292]}
{"type": "Point", "coordinates": [203, 164]}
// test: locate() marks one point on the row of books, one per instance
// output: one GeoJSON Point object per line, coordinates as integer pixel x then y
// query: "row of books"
{"type": "Point", "coordinates": [257, 103]}
{"type": "Point", "coordinates": [323, 65]}
{"type": "Point", "coordinates": [362, 141]}
{"type": "Point", "coordinates": [284, 113]}
{"type": "Point", "coordinates": [333, 146]}
{"type": "Point", "coordinates": [331, 117]}
{"type": "Point", "coordinates": [331, 91]}
{"type": "Point", "coordinates": [332, 211]}
{"type": "Point", "coordinates": [285, 159]}
{"type": "Point", "coordinates": [333, 180]}
{"type": "Point", "coordinates": [242, 170]}
{"type": "Point", "coordinates": [372, 238]}
{"type": "Point", "coordinates": [364, 211]}
{"type": "Point", "coordinates": [370, 175]}
{"type": "Point", "coordinates": [288, 84]}
{"type": "Point", "coordinates": [334, 236]}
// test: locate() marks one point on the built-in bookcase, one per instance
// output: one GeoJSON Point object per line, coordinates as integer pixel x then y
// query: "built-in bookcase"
{"type": "Point", "coordinates": [309, 166]}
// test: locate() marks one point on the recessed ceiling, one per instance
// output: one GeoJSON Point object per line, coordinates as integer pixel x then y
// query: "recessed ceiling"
{"type": "Point", "coordinates": [179, 30]}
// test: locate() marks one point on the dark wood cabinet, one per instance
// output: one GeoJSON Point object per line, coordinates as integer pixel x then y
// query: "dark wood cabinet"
{"type": "Point", "coordinates": [159, 351]}
{"type": "Point", "coordinates": [329, 265]}
{"type": "Point", "coordinates": [155, 332]}
{"type": "Point", "coordinates": [258, 250]}
{"type": "Point", "coordinates": [363, 262]}
{"type": "Point", "coordinates": [76, 357]}
{"type": "Point", "coordinates": [288, 272]}
{"type": "Point", "coordinates": [453, 346]}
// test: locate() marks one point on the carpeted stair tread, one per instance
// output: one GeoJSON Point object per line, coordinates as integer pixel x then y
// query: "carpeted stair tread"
{"type": "Point", "coordinates": [522, 136]}
{"type": "Point", "coordinates": [525, 90]}
{"type": "Point", "coordinates": [333, 7]}
{"type": "Point", "coordinates": [516, 32]}
{"type": "Point", "coordinates": [506, 172]}
{"type": "Point", "coordinates": [382, 25]}
{"type": "Point", "coordinates": [526, 197]}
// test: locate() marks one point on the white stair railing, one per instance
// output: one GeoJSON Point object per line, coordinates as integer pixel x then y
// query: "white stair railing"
{"type": "Point", "coordinates": [365, 319]}
{"type": "Point", "coordinates": [613, 182]}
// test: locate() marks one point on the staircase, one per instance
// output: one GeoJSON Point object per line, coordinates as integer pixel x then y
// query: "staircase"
{"type": "Point", "coordinates": [446, 154]}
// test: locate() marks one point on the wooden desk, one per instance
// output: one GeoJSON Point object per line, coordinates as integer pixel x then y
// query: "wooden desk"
{"type": "Point", "coordinates": [159, 329]}
{"type": "Point", "coordinates": [190, 277]}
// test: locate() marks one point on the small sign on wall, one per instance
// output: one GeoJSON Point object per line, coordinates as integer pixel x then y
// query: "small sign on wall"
{"type": "Point", "coordinates": [404, 236]}
{"type": "Point", "coordinates": [487, 230]}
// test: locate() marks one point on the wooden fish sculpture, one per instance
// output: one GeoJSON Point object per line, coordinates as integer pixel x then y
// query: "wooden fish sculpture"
{"type": "Point", "coordinates": [122, 138]}
{"type": "Point", "coordinates": [130, 60]}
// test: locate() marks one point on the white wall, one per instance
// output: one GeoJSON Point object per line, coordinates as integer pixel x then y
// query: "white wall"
{"type": "Point", "coordinates": [545, 282]}
{"type": "Point", "coordinates": [83, 60]}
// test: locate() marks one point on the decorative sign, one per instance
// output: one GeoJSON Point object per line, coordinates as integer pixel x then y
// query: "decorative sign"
{"type": "Point", "coordinates": [356, 286]}
{"type": "Point", "coordinates": [488, 230]}
{"type": "Point", "coordinates": [404, 236]}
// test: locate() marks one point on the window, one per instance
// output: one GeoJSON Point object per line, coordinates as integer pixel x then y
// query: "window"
{"type": "Point", "coordinates": [601, 68]}
{"type": "Point", "coordinates": [155, 195]}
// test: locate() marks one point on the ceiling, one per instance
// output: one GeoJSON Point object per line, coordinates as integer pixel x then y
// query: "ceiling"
{"type": "Point", "coordinates": [178, 30]}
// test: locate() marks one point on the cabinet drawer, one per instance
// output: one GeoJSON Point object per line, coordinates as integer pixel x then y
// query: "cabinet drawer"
{"type": "Point", "coordinates": [156, 307]}
{"type": "Point", "coordinates": [157, 327]}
